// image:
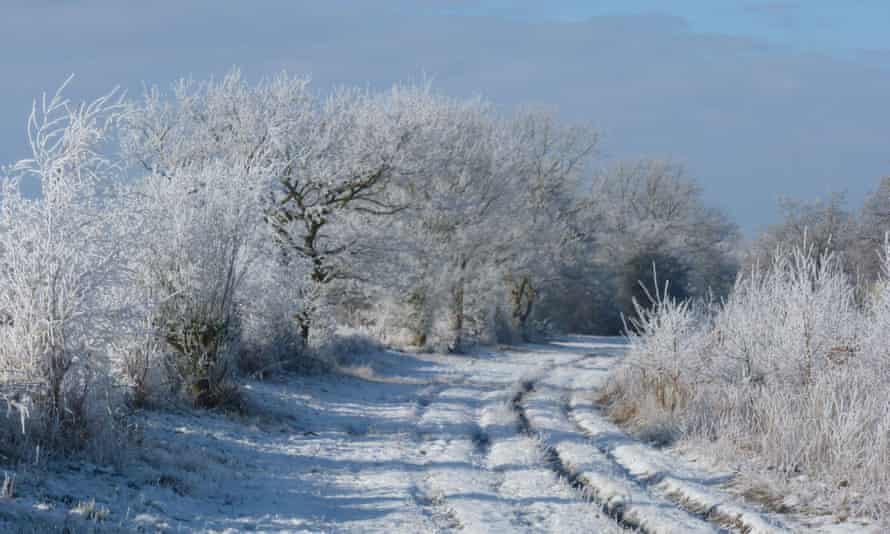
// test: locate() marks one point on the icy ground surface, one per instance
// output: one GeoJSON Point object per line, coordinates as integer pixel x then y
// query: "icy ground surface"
{"type": "Point", "coordinates": [497, 441]}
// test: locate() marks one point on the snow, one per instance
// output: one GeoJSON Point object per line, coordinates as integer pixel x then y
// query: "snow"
{"type": "Point", "coordinates": [620, 495]}
{"type": "Point", "coordinates": [695, 488]}
{"type": "Point", "coordinates": [495, 441]}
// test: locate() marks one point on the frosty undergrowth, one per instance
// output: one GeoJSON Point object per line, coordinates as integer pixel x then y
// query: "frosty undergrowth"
{"type": "Point", "coordinates": [790, 373]}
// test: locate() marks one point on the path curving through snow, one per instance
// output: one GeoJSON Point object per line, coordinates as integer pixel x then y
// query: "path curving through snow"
{"type": "Point", "coordinates": [497, 441]}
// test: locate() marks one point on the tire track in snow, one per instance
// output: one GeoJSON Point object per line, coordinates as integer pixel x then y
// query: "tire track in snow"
{"type": "Point", "coordinates": [555, 462]}
{"type": "Point", "coordinates": [542, 502]}
{"type": "Point", "coordinates": [432, 505]}
{"type": "Point", "coordinates": [639, 462]}
{"type": "Point", "coordinates": [452, 442]}
{"type": "Point", "coordinates": [653, 470]}
{"type": "Point", "coordinates": [593, 475]}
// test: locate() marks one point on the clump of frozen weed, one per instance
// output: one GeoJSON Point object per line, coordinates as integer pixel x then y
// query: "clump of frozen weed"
{"type": "Point", "coordinates": [7, 489]}
{"type": "Point", "coordinates": [92, 511]}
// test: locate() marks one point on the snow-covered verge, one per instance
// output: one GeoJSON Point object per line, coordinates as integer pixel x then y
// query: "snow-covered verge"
{"type": "Point", "coordinates": [325, 453]}
{"type": "Point", "coordinates": [784, 383]}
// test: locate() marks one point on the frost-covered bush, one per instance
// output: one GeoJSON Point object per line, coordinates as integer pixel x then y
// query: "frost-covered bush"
{"type": "Point", "coordinates": [349, 346]}
{"type": "Point", "coordinates": [214, 153]}
{"type": "Point", "coordinates": [666, 363]}
{"type": "Point", "coordinates": [193, 256]}
{"type": "Point", "coordinates": [784, 325]}
{"type": "Point", "coordinates": [270, 299]}
{"type": "Point", "coordinates": [60, 272]}
{"type": "Point", "coordinates": [789, 373]}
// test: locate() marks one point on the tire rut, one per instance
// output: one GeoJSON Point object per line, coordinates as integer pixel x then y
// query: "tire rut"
{"type": "Point", "coordinates": [723, 522]}
{"type": "Point", "coordinates": [431, 504]}
{"type": "Point", "coordinates": [646, 484]}
{"type": "Point", "coordinates": [712, 514]}
{"type": "Point", "coordinates": [456, 503]}
{"type": "Point", "coordinates": [556, 464]}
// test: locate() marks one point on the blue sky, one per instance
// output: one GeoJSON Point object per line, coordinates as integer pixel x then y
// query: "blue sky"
{"type": "Point", "coordinates": [757, 99]}
{"type": "Point", "coordinates": [848, 29]}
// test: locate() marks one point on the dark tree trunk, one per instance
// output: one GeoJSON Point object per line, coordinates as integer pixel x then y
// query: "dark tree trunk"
{"type": "Point", "coordinates": [522, 300]}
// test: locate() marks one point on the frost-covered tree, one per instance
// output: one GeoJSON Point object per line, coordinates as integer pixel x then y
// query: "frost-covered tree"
{"type": "Point", "coordinates": [206, 156]}
{"type": "Point", "coordinates": [644, 215]}
{"type": "Point", "coordinates": [544, 234]}
{"type": "Point", "coordinates": [872, 226]}
{"type": "Point", "coordinates": [329, 180]}
{"type": "Point", "coordinates": [217, 120]}
{"type": "Point", "coordinates": [458, 196]}
{"type": "Point", "coordinates": [824, 224]}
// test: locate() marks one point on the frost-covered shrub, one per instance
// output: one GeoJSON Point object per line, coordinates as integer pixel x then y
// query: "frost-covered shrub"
{"type": "Point", "coordinates": [783, 325]}
{"type": "Point", "coordinates": [193, 256]}
{"type": "Point", "coordinates": [59, 270]}
{"type": "Point", "coordinates": [666, 360]}
{"type": "Point", "coordinates": [790, 373]}
{"type": "Point", "coordinates": [137, 356]}
{"type": "Point", "coordinates": [271, 298]}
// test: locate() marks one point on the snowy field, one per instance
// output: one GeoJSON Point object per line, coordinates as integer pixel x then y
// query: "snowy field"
{"type": "Point", "coordinates": [496, 441]}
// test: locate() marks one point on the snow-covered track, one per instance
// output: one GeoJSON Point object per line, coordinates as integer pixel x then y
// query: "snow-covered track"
{"type": "Point", "coordinates": [495, 441]}
{"type": "Point", "coordinates": [481, 475]}
{"type": "Point", "coordinates": [450, 479]}
{"type": "Point", "coordinates": [545, 501]}
{"type": "Point", "coordinates": [594, 474]}
{"type": "Point", "coordinates": [691, 489]}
